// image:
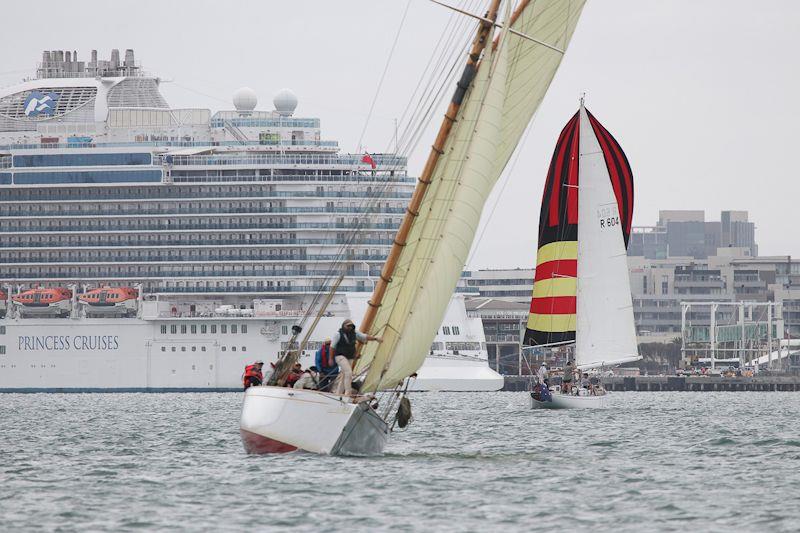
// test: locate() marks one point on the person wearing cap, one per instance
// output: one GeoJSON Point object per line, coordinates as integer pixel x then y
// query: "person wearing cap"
{"type": "Point", "coordinates": [344, 350]}
{"type": "Point", "coordinates": [252, 375]}
{"type": "Point", "coordinates": [309, 379]}
{"type": "Point", "coordinates": [328, 369]}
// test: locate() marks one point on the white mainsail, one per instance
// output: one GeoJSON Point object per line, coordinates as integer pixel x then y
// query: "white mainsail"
{"type": "Point", "coordinates": [488, 126]}
{"type": "Point", "coordinates": [605, 333]}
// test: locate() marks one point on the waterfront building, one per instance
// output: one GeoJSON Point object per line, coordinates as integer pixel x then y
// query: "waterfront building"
{"type": "Point", "coordinates": [686, 233]}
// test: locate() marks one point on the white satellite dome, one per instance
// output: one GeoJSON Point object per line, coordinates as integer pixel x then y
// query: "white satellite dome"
{"type": "Point", "coordinates": [245, 99]}
{"type": "Point", "coordinates": [285, 102]}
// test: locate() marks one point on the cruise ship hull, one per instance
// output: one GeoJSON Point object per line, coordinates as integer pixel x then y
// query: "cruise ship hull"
{"type": "Point", "coordinates": [182, 354]}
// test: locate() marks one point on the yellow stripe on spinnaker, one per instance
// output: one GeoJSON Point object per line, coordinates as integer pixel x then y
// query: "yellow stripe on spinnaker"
{"type": "Point", "coordinates": [548, 288]}
{"type": "Point", "coordinates": [557, 250]}
{"type": "Point", "coordinates": [551, 322]}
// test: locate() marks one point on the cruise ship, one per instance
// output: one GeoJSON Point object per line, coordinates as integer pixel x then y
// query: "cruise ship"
{"type": "Point", "coordinates": [149, 248]}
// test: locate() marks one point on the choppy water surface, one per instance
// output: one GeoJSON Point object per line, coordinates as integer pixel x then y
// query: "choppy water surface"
{"type": "Point", "coordinates": [468, 462]}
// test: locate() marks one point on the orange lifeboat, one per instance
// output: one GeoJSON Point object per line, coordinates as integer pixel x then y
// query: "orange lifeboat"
{"type": "Point", "coordinates": [110, 299]}
{"type": "Point", "coordinates": [46, 301]}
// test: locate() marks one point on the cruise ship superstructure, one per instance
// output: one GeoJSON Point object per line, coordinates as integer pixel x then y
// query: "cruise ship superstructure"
{"type": "Point", "coordinates": [144, 247]}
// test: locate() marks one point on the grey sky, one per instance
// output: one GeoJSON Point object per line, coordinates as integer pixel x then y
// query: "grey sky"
{"type": "Point", "coordinates": [700, 94]}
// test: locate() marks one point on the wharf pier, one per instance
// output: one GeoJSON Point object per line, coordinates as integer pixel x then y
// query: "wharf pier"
{"type": "Point", "coordinates": [680, 383]}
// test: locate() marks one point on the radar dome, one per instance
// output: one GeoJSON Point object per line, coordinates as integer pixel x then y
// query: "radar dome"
{"type": "Point", "coordinates": [245, 99]}
{"type": "Point", "coordinates": [285, 102]}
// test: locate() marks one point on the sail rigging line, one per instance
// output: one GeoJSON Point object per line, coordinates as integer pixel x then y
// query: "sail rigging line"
{"type": "Point", "coordinates": [433, 226]}
{"type": "Point", "coordinates": [367, 206]}
{"type": "Point", "coordinates": [457, 40]}
{"type": "Point", "coordinates": [479, 43]}
{"type": "Point", "coordinates": [506, 179]}
{"type": "Point", "coordinates": [383, 74]}
{"type": "Point", "coordinates": [448, 31]}
{"type": "Point", "coordinates": [497, 24]}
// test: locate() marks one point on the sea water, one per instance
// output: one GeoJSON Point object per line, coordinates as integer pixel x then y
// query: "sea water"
{"type": "Point", "coordinates": [467, 462]}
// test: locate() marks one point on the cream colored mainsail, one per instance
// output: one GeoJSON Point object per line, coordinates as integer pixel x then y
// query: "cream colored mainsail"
{"type": "Point", "coordinates": [531, 66]}
{"type": "Point", "coordinates": [488, 127]}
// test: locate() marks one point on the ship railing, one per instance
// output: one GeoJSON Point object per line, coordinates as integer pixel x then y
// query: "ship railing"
{"type": "Point", "coordinates": [259, 259]}
{"type": "Point", "coordinates": [290, 159]}
{"type": "Point", "coordinates": [136, 273]}
{"type": "Point", "coordinates": [250, 313]}
{"type": "Point", "coordinates": [164, 144]}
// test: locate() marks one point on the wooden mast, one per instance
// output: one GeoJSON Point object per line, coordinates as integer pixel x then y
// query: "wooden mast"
{"type": "Point", "coordinates": [412, 211]}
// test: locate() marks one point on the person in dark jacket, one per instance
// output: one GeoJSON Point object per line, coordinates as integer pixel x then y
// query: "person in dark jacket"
{"type": "Point", "coordinates": [325, 363]}
{"type": "Point", "coordinates": [344, 349]}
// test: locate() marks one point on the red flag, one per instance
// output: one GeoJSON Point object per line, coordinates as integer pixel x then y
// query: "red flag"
{"type": "Point", "coordinates": [368, 159]}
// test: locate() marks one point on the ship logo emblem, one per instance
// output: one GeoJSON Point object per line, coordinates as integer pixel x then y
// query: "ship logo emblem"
{"type": "Point", "coordinates": [38, 103]}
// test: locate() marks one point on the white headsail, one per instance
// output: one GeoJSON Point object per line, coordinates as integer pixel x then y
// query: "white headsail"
{"type": "Point", "coordinates": [606, 332]}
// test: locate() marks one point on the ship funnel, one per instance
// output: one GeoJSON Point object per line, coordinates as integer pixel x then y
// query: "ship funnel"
{"type": "Point", "coordinates": [114, 59]}
{"type": "Point", "coordinates": [94, 57]}
{"type": "Point", "coordinates": [68, 59]}
{"type": "Point", "coordinates": [129, 58]}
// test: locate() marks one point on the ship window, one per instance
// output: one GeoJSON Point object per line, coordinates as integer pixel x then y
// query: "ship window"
{"type": "Point", "coordinates": [2, 349]}
{"type": "Point", "coordinates": [445, 330]}
{"type": "Point", "coordinates": [173, 349]}
{"type": "Point", "coordinates": [223, 348]}
{"type": "Point", "coordinates": [244, 328]}
{"type": "Point", "coordinates": [163, 348]}
{"type": "Point", "coordinates": [233, 348]}
{"type": "Point", "coordinates": [244, 348]}
{"type": "Point", "coordinates": [163, 329]}
{"type": "Point", "coordinates": [203, 328]}
{"type": "Point", "coordinates": [223, 328]}
{"type": "Point", "coordinates": [173, 329]}
{"type": "Point", "coordinates": [183, 348]}
{"type": "Point", "coordinates": [3, 330]}
{"type": "Point", "coordinates": [183, 329]}
{"type": "Point", "coordinates": [213, 328]}
{"type": "Point", "coordinates": [202, 348]}
{"type": "Point", "coordinates": [284, 330]}
{"type": "Point", "coordinates": [194, 348]}
{"type": "Point", "coordinates": [193, 328]}
{"type": "Point", "coordinates": [455, 330]}
{"type": "Point", "coordinates": [234, 328]}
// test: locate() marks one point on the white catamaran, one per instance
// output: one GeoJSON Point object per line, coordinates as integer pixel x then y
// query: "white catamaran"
{"type": "Point", "coordinates": [502, 84]}
{"type": "Point", "coordinates": [581, 291]}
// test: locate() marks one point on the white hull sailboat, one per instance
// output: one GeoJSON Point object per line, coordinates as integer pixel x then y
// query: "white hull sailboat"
{"type": "Point", "coordinates": [508, 71]}
{"type": "Point", "coordinates": [281, 419]}
{"type": "Point", "coordinates": [571, 401]}
{"type": "Point", "coordinates": [581, 292]}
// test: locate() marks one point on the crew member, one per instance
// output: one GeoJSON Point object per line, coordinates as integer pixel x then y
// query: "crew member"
{"type": "Point", "coordinates": [294, 375]}
{"type": "Point", "coordinates": [328, 369]}
{"type": "Point", "coordinates": [344, 349]}
{"type": "Point", "coordinates": [252, 375]}
{"type": "Point", "coordinates": [566, 380]}
{"type": "Point", "coordinates": [543, 374]}
{"type": "Point", "coordinates": [309, 379]}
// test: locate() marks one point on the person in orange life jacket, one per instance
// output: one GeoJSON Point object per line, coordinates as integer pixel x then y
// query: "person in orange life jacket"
{"type": "Point", "coordinates": [252, 375]}
{"type": "Point", "coordinates": [294, 375]}
{"type": "Point", "coordinates": [308, 380]}
{"type": "Point", "coordinates": [344, 349]}
{"type": "Point", "coordinates": [328, 369]}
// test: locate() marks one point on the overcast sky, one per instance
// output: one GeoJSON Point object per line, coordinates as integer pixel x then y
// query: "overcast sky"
{"type": "Point", "coordinates": [700, 94]}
